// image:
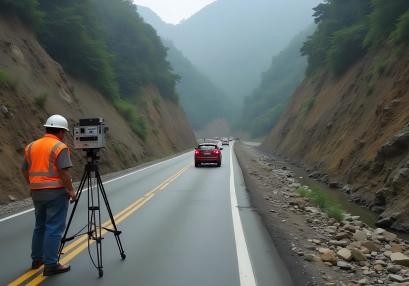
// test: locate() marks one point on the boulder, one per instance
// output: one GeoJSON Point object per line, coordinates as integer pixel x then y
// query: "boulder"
{"type": "Point", "coordinates": [345, 254]}
{"type": "Point", "coordinates": [344, 265]}
{"type": "Point", "coordinates": [389, 236]}
{"type": "Point", "coordinates": [380, 198]}
{"type": "Point", "coordinates": [392, 268]}
{"type": "Point", "coordinates": [312, 257]}
{"type": "Point", "coordinates": [358, 255]}
{"type": "Point", "coordinates": [397, 278]}
{"type": "Point", "coordinates": [329, 256]}
{"type": "Point", "coordinates": [400, 259]}
{"type": "Point", "coordinates": [385, 221]}
{"type": "Point", "coordinates": [360, 235]}
{"type": "Point", "coordinates": [342, 243]}
{"type": "Point", "coordinates": [371, 246]}
{"type": "Point", "coordinates": [395, 147]}
{"type": "Point", "coordinates": [396, 247]}
{"type": "Point", "coordinates": [378, 268]}
{"type": "Point", "coordinates": [342, 235]}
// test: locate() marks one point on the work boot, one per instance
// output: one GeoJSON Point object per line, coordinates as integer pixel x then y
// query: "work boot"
{"type": "Point", "coordinates": [36, 264]}
{"type": "Point", "coordinates": [56, 269]}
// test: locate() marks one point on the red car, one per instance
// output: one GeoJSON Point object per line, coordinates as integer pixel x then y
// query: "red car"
{"type": "Point", "coordinates": [208, 153]}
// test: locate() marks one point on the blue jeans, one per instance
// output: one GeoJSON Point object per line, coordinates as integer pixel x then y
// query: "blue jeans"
{"type": "Point", "coordinates": [49, 227]}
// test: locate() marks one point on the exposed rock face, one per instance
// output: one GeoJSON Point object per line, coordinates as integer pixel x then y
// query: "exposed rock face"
{"type": "Point", "coordinates": [366, 146]}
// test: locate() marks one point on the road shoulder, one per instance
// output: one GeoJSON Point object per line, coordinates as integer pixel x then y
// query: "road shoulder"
{"type": "Point", "coordinates": [285, 228]}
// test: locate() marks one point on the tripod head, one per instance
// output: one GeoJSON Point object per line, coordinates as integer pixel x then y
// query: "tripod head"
{"type": "Point", "coordinates": [92, 155]}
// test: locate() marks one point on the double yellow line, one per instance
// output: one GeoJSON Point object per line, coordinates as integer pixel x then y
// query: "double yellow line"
{"type": "Point", "coordinates": [35, 276]}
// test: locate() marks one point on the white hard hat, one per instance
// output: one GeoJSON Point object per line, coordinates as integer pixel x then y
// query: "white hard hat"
{"type": "Point", "coordinates": [57, 121]}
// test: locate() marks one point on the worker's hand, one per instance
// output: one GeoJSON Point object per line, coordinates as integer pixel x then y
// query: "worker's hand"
{"type": "Point", "coordinates": [72, 195]}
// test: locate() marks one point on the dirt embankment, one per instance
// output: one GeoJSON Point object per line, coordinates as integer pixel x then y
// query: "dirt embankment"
{"type": "Point", "coordinates": [33, 86]}
{"type": "Point", "coordinates": [355, 130]}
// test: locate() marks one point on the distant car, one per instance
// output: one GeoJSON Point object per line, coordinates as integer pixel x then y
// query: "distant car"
{"type": "Point", "coordinates": [208, 153]}
{"type": "Point", "coordinates": [225, 141]}
{"type": "Point", "coordinates": [219, 144]}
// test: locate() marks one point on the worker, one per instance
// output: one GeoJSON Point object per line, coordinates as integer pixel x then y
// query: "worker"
{"type": "Point", "coordinates": [46, 169]}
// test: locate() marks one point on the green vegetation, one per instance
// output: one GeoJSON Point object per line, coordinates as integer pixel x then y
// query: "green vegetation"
{"type": "Point", "coordinates": [105, 43]}
{"type": "Point", "coordinates": [401, 33]}
{"type": "Point", "coordinates": [263, 108]}
{"type": "Point", "coordinates": [348, 29]}
{"type": "Point", "coordinates": [308, 104]}
{"type": "Point", "coordinates": [27, 10]}
{"type": "Point", "coordinates": [40, 100]}
{"type": "Point", "coordinates": [130, 114]}
{"type": "Point", "coordinates": [5, 80]}
{"type": "Point", "coordinates": [139, 55]}
{"type": "Point", "coordinates": [321, 200]}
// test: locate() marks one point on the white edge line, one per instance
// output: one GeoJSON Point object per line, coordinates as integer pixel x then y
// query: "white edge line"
{"type": "Point", "coordinates": [107, 182]}
{"type": "Point", "coordinates": [246, 272]}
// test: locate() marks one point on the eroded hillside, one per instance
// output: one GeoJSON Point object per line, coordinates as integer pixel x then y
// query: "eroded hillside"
{"type": "Point", "coordinates": [355, 129]}
{"type": "Point", "coordinates": [33, 86]}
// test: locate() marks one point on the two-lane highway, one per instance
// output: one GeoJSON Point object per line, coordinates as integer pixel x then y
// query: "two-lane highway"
{"type": "Point", "coordinates": [181, 226]}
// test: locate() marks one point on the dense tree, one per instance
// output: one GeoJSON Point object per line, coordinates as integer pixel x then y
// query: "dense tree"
{"type": "Point", "coordinates": [70, 35]}
{"type": "Point", "coordinates": [140, 57]}
{"type": "Point", "coordinates": [383, 19]}
{"type": "Point", "coordinates": [104, 42]}
{"type": "Point", "coordinates": [26, 9]}
{"type": "Point", "coordinates": [347, 29]}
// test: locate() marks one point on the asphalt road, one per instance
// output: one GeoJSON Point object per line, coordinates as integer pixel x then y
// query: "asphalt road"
{"type": "Point", "coordinates": [181, 226]}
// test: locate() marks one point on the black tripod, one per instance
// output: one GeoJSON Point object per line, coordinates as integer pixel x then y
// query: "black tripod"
{"type": "Point", "coordinates": [94, 227]}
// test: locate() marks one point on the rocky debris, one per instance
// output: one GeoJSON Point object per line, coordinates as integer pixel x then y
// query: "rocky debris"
{"type": "Point", "coordinates": [12, 198]}
{"type": "Point", "coordinates": [395, 147]}
{"type": "Point", "coordinates": [5, 111]}
{"type": "Point", "coordinates": [377, 256]}
{"type": "Point", "coordinates": [361, 255]}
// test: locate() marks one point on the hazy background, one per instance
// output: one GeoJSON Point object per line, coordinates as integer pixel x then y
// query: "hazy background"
{"type": "Point", "coordinates": [174, 11]}
{"type": "Point", "coordinates": [230, 45]}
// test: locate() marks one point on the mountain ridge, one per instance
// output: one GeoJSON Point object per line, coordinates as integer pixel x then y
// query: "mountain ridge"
{"type": "Point", "coordinates": [200, 37]}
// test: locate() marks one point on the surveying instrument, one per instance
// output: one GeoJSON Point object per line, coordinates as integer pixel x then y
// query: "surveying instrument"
{"type": "Point", "coordinates": [89, 135]}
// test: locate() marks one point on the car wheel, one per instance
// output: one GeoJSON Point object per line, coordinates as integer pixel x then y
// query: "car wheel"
{"type": "Point", "coordinates": [197, 165]}
{"type": "Point", "coordinates": [219, 164]}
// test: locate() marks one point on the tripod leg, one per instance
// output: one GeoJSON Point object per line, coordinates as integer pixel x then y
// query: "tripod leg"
{"type": "Point", "coordinates": [115, 231]}
{"type": "Point", "coordinates": [79, 192]}
{"type": "Point", "coordinates": [98, 234]}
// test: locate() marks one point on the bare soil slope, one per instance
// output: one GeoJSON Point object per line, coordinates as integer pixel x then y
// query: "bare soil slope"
{"type": "Point", "coordinates": [29, 74]}
{"type": "Point", "coordinates": [356, 129]}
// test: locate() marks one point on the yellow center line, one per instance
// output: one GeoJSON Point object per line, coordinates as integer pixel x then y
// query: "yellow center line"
{"type": "Point", "coordinates": [80, 244]}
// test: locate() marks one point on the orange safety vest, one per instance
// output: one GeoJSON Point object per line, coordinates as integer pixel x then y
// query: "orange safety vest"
{"type": "Point", "coordinates": [41, 156]}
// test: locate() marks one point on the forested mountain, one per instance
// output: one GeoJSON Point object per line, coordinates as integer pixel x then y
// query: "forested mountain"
{"type": "Point", "coordinates": [85, 59]}
{"type": "Point", "coordinates": [263, 108]}
{"type": "Point", "coordinates": [105, 43]}
{"type": "Point", "coordinates": [202, 101]}
{"type": "Point", "coordinates": [232, 41]}
{"type": "Point", "coordinates": [349, 119]}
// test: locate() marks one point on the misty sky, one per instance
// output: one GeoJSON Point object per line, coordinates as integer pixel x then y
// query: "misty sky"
{"type": "Point", "coordinates": [174, 11]}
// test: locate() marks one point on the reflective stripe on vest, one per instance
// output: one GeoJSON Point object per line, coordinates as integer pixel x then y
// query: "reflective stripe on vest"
{"type": "Point", "coordinates": [50, 172]}
{"type": "Point", "coordinates": [41, 156]}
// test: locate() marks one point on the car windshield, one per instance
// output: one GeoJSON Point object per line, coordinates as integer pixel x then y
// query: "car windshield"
{"type": "Point", "coordinates": [207, 147]}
